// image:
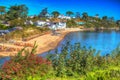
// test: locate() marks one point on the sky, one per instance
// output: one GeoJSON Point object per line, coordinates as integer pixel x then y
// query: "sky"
{"type": "Point", "coordinates": [110, 8]}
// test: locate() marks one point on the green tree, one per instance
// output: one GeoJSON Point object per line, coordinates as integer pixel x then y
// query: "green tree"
{"type": "Point", "coordinates": [2, 11]}
{"type": "Point", "coordinates": [85, 16]}
{"type": "Point", "coordinates": [111, 19]}
{"type": "Point", "coordinates": [105, 21]}
{"type": "Point", "coordinates": [55, 14]}
{"type": "Point", "coordinates": [43, 13]}
{"type": "Point", "coordinates": [69, 13]}
{"type": "Point", "coordinates": [97, 15]}
{"type": "Point", "coordinates": [104, 18]}
{"type": "Point", "coordinates": [77, 15]}
{"type": "Point", "coordinates": [118, 23]}
{"type": "Point", "coordinates": [17, 11]}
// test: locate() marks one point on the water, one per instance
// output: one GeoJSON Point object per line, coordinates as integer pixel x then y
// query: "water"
{"type": "Point", "coordinates": [3, 60]}
{"type": "Point", "coordinates": [105, 41]}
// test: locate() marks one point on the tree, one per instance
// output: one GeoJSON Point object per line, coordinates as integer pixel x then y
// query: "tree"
{"type": "Point", "coordinates": [85, 16]}
{"type": "Point", "coordinates": [17, 11]}
{"type": "Point", "coordinates": [43, 13]}
{"type": "Point", "coordinates": [2, 9]}
{"type": "Point", "coordinates": [97, 15]}
{"type": "Point", "coordinates": [118, 23]}
{"type": "Point", "coordinates": [55, 14]}
{"type": "Point", "coordinates": [105, 22]}
{"type": "Point", "coordinates": [77, 15]}
{"type": "Point", "coordinates": [104, 18]}
{"type": "Point", "coordinates": [111, 19]}
{"type": "Point", "coordinates": [69, 13]}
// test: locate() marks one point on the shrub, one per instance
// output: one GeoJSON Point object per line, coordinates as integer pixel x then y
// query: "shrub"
{"type": "Point", "coordinates": [73, 62]}
{"type": "Point", "coordinates": [22, 67]}
{"type": "Point", "coordinates": [76, 61]}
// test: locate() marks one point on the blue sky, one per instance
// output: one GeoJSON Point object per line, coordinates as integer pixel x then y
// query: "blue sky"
{"type": "Point", "coordinates": [92, 7]}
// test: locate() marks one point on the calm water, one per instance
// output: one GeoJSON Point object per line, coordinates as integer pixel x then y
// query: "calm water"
{"type": "Point", "coordinates": [105, 41]}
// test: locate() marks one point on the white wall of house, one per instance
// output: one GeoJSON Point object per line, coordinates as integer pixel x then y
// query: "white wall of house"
{"type": "Point", "coordinates": [60, 25]}
{"type": "Point", "coordinates": [53, 27]}
{"type": "Point", "coordinates": [40, 23]}
{"type": "Point", "coordinates": [64, 17]}
{"type": "Point", "coordinates": [28, 22]}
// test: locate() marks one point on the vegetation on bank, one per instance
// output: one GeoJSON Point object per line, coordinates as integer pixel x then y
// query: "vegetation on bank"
{"type": "Point", "coordinates": [73, 63]}
{"type": "Point", "coordinates": [26, 33]}
{"type": "Point", "coordinates": [16, 15]}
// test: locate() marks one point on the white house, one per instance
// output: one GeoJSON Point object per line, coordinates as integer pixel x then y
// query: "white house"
{"type": "Point", "coordinates": [31, 16]}
{"type": "Point", "coordinates": [5, 23]}
{"type": "Point", "coordinates": [64, 17]}
{"type": "Point", "coordinates": [59, 25]}
{"type": "Point", "coordinates": [48, 15]}
{"type": "Point", "coordinates": [40, 23]}
{"type": "Point", "coordinates": [28, 22]}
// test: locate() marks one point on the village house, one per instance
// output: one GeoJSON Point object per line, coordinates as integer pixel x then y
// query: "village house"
{"type": "Point", "coordinates": [28, 22]}
{"type": "Point", "coordinates": [48, 16]}
{"type": "Point", "coordinates": [79, 22]}
{"type": "Point", "coordinates": [5, 23]}
{"type": "Point", "coordinates": [57, 24]}
{"type": "Point", "coordinates": [40, 23]}
{"type": "Point", "coordinates": [64, 17]}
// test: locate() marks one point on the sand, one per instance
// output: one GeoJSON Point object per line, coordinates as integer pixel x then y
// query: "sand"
{"type": "Point", "coordinates": [45, 42]}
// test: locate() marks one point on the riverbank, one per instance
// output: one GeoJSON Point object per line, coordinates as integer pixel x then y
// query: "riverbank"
{"type": "Point", "coordinates": [45, 42]}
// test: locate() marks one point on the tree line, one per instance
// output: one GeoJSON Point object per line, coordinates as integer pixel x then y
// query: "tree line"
{"type": "Point", "coordinates": [21, 12]}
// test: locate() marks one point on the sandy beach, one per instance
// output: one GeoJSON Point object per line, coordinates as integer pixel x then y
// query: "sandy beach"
{"type": "Point", "coordinates": [45, 42]}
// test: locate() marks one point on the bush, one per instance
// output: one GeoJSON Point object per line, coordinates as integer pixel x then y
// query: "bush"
{"type": "Point", "coordinates": [22, 67]}
{"type": "Point", "coordinates": [76, 61]}
{"type": "Point", "coordinates": [71, 23]}
{"type": "Point", "coordinates": [72, 63]}
{"type": "Point", "coordinates": [3, 27]}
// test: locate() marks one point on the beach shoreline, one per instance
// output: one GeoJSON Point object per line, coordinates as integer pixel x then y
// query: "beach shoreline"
{"type": "Point", "coordinates": [45, 42]}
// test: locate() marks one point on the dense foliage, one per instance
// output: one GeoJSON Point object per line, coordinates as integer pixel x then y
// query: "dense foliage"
{"type": "Point", "coordinates": [16, 15]}
{"type": "Point", "coordinates": [26, 67]}
{"type": "Point", "coordinates": [55, 14]}
{"type": "Point", "coordinates": [25, 33]}
{"type": "Point", "coordinates": [3, 27]}
{"type": "Point", "coordinates": [75, 60]}
{"type": "Point", "coordinates": [72, 63]}
{"type": "Point", "coordinates": [71, 24]}
{"type": "Point", "coordinates": [17, 11]}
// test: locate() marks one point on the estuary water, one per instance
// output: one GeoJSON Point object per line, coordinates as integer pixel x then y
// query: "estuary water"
{"type": "Point", "coordinates": [103, 41]}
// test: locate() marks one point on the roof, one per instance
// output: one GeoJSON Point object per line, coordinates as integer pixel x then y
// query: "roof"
{"type": "Point", "coordinates": [55, 20]}
{"type": "Point", "coordinates": [79, 20]}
